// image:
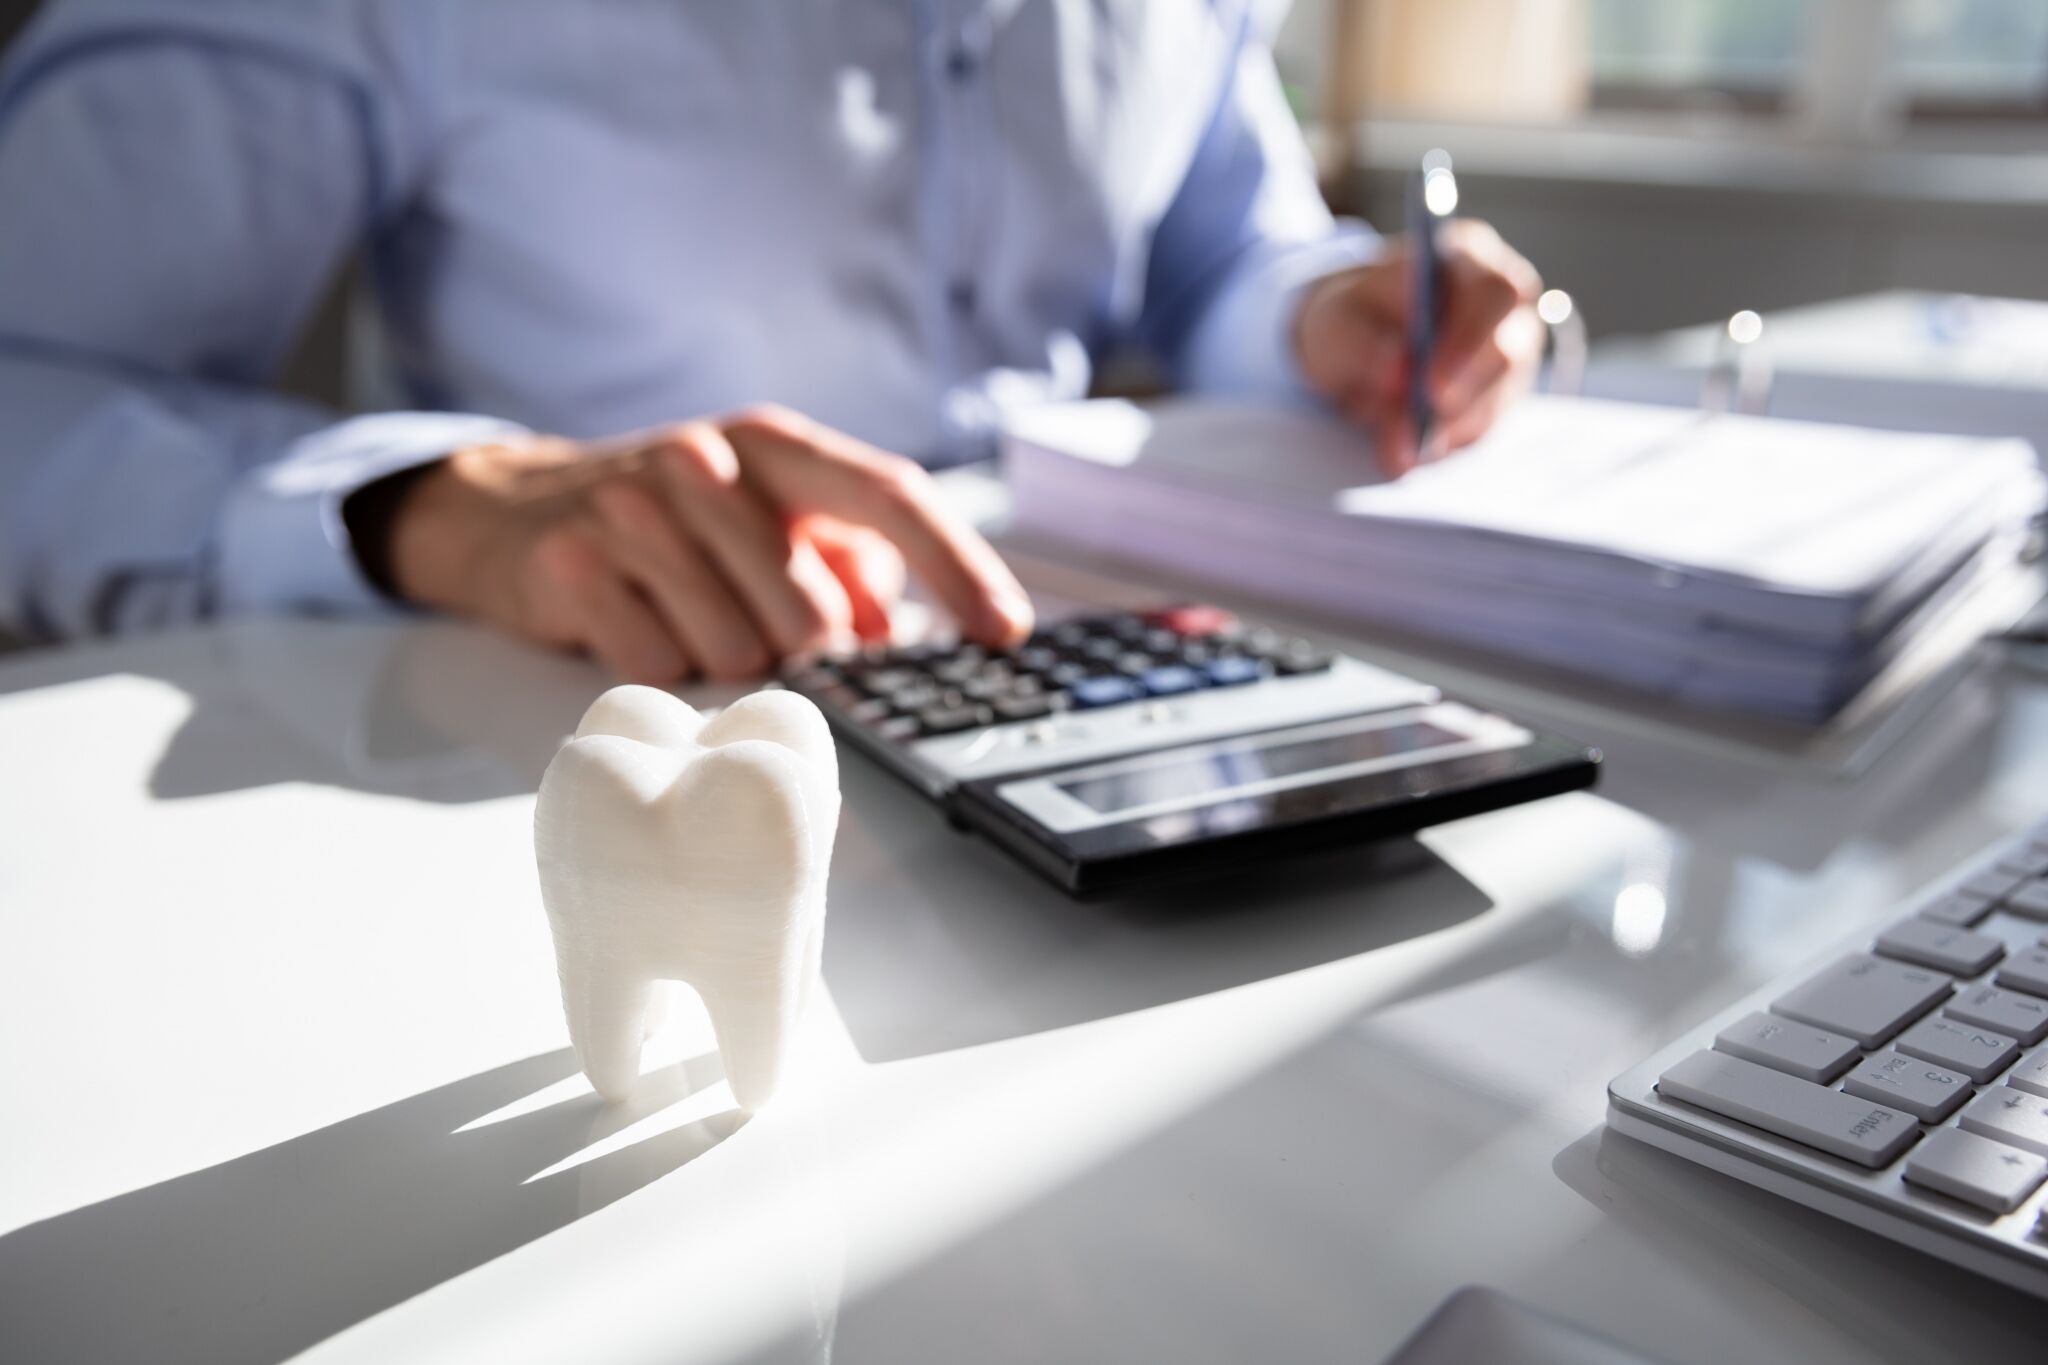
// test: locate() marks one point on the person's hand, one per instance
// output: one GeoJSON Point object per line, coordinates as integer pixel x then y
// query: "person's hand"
{"type": "Point", "coordinates": [712, 548]}
{"type": "Point", "coordinates": [1351, 336]}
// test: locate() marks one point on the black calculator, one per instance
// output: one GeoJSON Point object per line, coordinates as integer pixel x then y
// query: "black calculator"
{"type": "Point", "coordinates": [1132, 747]}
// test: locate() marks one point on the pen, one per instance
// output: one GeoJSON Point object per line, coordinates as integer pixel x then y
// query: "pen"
{"type": "Point", "coordinates": [1432, 196]}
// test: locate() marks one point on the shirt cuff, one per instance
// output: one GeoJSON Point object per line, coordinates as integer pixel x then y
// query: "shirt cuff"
{"type": "Point", "coordinates": [1244, 347]}
{"type": "Point", "coordinates": [283, 545]}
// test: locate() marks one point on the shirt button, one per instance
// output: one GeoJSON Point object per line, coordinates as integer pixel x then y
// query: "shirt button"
{"type": "Point", "coordinates": [960, 295]}
{"type": "Point", "coordinates": [960, 64]}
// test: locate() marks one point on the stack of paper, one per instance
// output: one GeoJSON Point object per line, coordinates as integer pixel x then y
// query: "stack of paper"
{"type": "Point", "coordinates": [1746, 563]}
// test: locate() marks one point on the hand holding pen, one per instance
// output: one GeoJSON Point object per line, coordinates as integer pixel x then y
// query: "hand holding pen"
{"type": "Point", "coordinates": [1424, 355]}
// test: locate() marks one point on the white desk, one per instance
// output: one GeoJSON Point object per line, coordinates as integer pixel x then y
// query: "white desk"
{"type": "Point", "coordinates": [283, 1065]}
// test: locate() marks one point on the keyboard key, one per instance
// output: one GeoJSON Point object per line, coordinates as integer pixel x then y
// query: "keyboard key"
{"type": "Point", "coordinates": [1089, 693]}
{"type": "Point", "coordinates": [1944, 947]}
{"type": "Point", "coordinates": [1865, 997]}
{"type": "Point", "coordinates": [1234, 670]}
{"type": "Point", "coordinates": [1978, 1053]}
{"type": "Point", "coordinates": [2023, 862]}
{"type": "Point", "coordinates": [1957, 908]}
{"type": "Point", "coordinates": [2029, 899]}
{"type": "Point", "coordinates": [1991, 884]}
{"type": "Point", "coordinates": [1976, 1170]}
{"type": "Point", "coordinates": [2031, 1075]}
{"type": "Point", "coordinates": [2024, 1017]}
{"type": "Point", "coordinates": [2026, 970]}
{"type": "Point", "coordinates": [1841, 1125]}
{"type": "Point", "coordinates": [1811, 1054]}
{"type": "Point", "coordinates": [2009, 1114]}
{"type": "Point", "coordinates": [1170, 679]}
{"type": "Point", "coordinates": [1929, 1093]}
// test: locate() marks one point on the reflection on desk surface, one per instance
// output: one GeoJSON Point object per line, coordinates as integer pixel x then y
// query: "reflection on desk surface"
{"type": "Point", "coordinates": [1280, 1114]}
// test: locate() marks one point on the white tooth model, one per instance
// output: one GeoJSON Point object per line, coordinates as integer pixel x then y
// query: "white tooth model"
{"type": "Point", "coordinates": [672, 848]}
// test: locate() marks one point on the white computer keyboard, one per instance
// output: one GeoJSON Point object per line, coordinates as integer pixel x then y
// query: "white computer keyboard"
{"type": "Point", "coordinates": [1900, 1082]}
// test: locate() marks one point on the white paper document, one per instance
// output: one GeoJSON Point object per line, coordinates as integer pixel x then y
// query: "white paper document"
{"type": "Point", "coordinates": [1733, 561]}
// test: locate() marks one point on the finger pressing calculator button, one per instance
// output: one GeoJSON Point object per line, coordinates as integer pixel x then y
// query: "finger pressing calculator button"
{"type": "Point", "coordinates": [1854, 1129]}
{"type": "Point", "coordinates": [1170, 679]}
{"type": "Point", "coordinates": [2024, 1017]}
{"type": "Point", "coordinates": [1976, 1170]}
{"type": "Point", "coordinates": [945, 720]}
{"type": "Point", "coordinates": [1089, 693]}
{"type": "Point", "coordinates": [1865, 997]}
{"type": "Point", "coordinates": [1234, 670]}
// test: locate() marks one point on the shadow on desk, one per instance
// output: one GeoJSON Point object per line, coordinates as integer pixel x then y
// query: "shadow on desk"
{"type": "Point", "coordinates": [1897, 1303]}
{"type": "Point", "coordinates": [261, 1257]}
{"type": "Point", "coordinates": [951, 943]}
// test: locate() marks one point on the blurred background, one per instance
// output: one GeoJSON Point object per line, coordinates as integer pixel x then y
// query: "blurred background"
{"type": "Point", "coordinates": [1669, 161]}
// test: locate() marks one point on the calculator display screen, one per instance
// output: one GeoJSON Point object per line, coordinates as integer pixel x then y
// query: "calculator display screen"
{"type": "Point", "coordinates": [1235, 766]}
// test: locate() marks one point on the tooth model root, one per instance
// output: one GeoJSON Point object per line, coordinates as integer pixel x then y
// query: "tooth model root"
{"type": "Point", "coordinates": [672, 848]}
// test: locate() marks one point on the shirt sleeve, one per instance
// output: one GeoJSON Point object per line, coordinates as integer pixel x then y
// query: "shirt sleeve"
{"type": "Point", "coordinates": [1246, 233]}
{"type": "Point", "coordinates": [171, 207]}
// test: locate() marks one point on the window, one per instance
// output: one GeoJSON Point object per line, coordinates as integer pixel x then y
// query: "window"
{"type": "Point", "coordinates": [1973, 56]}
{"type": "Point", "coordinates": [1744, 53]}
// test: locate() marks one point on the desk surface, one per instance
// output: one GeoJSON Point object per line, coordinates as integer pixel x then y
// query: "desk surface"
{"type": "Point", "coordinates": [284, 1068]}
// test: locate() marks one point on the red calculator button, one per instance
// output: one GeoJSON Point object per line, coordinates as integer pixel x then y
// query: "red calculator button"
{"type": "Point", "coordinates": [1195, 620]}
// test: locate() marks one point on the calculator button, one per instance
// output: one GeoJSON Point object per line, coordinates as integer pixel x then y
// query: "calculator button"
{"type": "Point", "coordinates": [2024, 1017]}
{"type": "Point", "coordinates": [1929, 1093]}
{"type": "Point", "coordinates": [1978, 1053]}
{"type": "Point", "coordinates": [1941, 946]}
{"type": "Point", "coordinates": [946, 720]}
{"type": "Point", "coordinates": [869, 711]}
{"type": "Point", "coordinates": [1022, 708]}
{"type": "Point", "coordinates": [1976, 1170]}
{"type": "Point", "coordinates": [1865, 997]}
{"type": "Point", "coordinates": [1103, 651]}
{"type": "Point", "coordinates": [1089, 693]}
{"type": "Point", "coordinates": [1170, 679]}
{"type": "Point", "coordinates": [899, 728]}
{"type": "Point", "coordinates": [1853, 1129]}
{"type": "Point", "coordinates": [1308, 660]}
{"type": "Point", "coordinates": [1233, 670]}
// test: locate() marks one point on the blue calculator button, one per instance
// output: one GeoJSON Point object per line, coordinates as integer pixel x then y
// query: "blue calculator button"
{"type": "Point", "coordinates": [1093, 692]}
{"type": "Point", "coordinates": [1168, 679]}
{"type": "Point", "coordinates": [1231, 670]}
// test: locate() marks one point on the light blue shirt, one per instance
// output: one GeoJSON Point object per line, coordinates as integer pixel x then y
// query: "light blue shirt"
{"type": "Point", "coordinates": [586, 217]}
